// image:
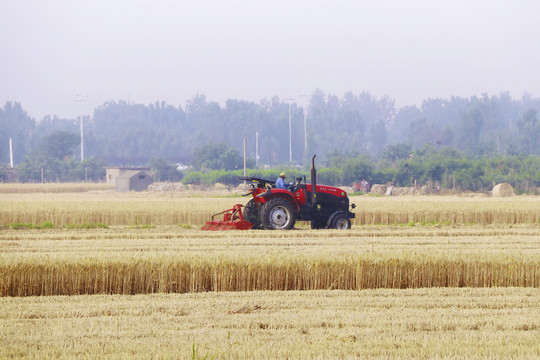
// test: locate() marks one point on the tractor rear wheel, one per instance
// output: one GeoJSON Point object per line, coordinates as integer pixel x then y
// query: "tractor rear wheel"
{"type": "Point", "coordinates": [341, 222]}
{"type": "Point", "coordinates": [278, 214]}
{"type": "Point", "coordinates": [251, 214]}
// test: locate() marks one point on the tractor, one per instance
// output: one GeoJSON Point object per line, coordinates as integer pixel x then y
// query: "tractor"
{"type": "Point", "coordinates": [278, 209]}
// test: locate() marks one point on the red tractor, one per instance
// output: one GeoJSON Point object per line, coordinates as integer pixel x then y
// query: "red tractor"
{"type": "Point", "coordinates": [270, 208]}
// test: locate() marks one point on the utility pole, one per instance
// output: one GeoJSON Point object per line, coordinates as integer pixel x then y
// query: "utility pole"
{"type": "Point", "coordinates": [81, 99]}
{"type": "Point", "coordinates": [256, 150]}
{"type": "Point", "coordinates": [11, 152]}
{"type": "Point", "coordinates": [305, 105]}
{"type": "Point", "coordinates": [82, 140]}
{"type": "Point", "coordinates": [305, 134]}
{"type": "Point", "coordinates": [290, 135]}
{"type": "Point", "coordinates": [290, 100]}
{"type": "Point", "coordinates": [245, 163]}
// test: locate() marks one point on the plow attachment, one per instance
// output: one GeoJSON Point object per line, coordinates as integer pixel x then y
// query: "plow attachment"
{"type": "Point", "coordinates": [233, 219]}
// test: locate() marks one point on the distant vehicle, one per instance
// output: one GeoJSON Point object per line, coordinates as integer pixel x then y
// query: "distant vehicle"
{"type": "Point", "coordinates": [362, 186]}
{"type": "Point", "coordinates": [182, 167]}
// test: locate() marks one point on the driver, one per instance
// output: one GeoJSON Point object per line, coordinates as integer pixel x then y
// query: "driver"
{"type": "Point", "coordinates": [280, 182]}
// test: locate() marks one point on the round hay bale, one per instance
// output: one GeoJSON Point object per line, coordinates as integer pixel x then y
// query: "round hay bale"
{"type": "Point", "coordinates": [503, 189]}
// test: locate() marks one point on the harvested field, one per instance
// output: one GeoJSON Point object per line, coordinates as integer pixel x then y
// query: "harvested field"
{"type": "Point", "coordinates": [426, 277]}
{"type": "Point", "coordinates": [441, 323]}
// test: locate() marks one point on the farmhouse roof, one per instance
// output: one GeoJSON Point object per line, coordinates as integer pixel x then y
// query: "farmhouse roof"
{"type": "Point", "coordinates": [126, 168]}
{"type": "Point", "coordinates": [130, 173]}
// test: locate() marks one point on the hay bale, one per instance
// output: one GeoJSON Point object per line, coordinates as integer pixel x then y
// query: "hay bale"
{"type": "Point", "coordinates": [378, 189]}
{"type": "Point", "coordinates": [502, 190]}
{"type": "Point", "coordinates": [166, 187]}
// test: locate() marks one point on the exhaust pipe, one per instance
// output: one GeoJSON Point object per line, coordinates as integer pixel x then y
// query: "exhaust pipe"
{"type": "Point", "coordinates": [313, 183]}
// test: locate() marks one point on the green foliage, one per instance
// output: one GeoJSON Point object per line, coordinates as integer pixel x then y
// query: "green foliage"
{"type": "Point", "coordinates": [445, 167]}
{"type": "Point", "coordinates": [529, 132]}
{"type": "Point", "coordinates": [336, 159]}
{"type": "Point", "coordinates": [87, 226]}
{"type": "Point", "coordinates": [229, 179]}
{"type": "Point", "coordinates": [3, 176]}
{"type": "Point", "coordinates": [193, 178]}
{"type": "Point", "coordinates": [433, 171]}
{"type": "Point", "coordinates": [59, 145]}
{"type": "Point", "coordinates": [195, 354]}
{"type": "Point", "coordinates": [358, 193]}
{"type": "Point", "coordinates": [217, 157]}
{"type": "Point", "coordinates": [164, 170]}
{"type": "Point", "coordinates": [128, 133]}
{"type": "Point", "coordinates": [37, 165]}
{"type": "Point", "coordinates": [53, 161]}
{"type": "Point", "coordinates": [445, 137]}
{"type": "Point", "coordinates": [383, 174]}
{"type": "Point", "coordinates": [396, 152]}
{"type": "Point", "coordinates": [17, 125]}
{"type": "Point", "coordinates": [329, 176]}
{"type": "Point", "coordinates": [21, 226]}
{"type": "Point", "coordinates": [143, 226]}
{"type": "Point", "coordinates": [356, 169]}
{"type": "Point", "coordinates": [470, 127]}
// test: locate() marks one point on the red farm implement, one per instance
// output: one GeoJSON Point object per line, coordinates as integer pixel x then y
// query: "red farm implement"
{"type": "Point", "coordinates": [233, 219]}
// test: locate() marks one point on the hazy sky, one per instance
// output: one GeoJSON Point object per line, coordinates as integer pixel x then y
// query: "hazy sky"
{"type": "Point", "coordinates": [148, 51]}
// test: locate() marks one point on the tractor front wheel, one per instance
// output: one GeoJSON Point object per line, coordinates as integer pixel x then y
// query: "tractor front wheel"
{"type": "Point", "coordinates": [278, 214]}
{"type": "Point", "coordinates": [341, 222]}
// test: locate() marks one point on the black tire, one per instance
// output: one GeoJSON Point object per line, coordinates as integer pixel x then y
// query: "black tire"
{"type": "Point", "coordinates": [251, 214]}
{"type": "Point", "coordinates": [341, 222]}
{"type": "Point", "coordinates": [278, 214]}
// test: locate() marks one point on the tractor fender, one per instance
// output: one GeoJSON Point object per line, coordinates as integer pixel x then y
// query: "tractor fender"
{"type": "Point", "coordinates": [333, 215]}
{"type": "Point", "coordinates": [279, 193]}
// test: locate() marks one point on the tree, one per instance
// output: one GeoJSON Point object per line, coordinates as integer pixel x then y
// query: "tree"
{"type": "Point", "coordinates": [164, 170]}
{"type": "Point", "coordinates": [17, 125]}
{"type": "Point", "coordinates": [329, 176]}
{"type": "Point", "coordinates": [59, 145]}
{"type": "Point", "coordinates": [396, 152]}
{"type": "Point", "coordinates": [377, 137]}
{"type": "Point", "coordinates": [92, 168]}
{"type": "Point", "coordinates": [336, 159]}
{"type": "Point", "coordinates": [356, 169]}
{"type": "Point", "coordinates": [470, 129]}
{"type": "Point", "coordinates": [217, 157]}
{"type": "Point", "coordinates": [229, 179]}
{"type": "Point", "coordinates": [31, 168]}
{"type": "Point", "coordinates": [193, 178]}
{"type": "Point", "coordinates": [529, 129]}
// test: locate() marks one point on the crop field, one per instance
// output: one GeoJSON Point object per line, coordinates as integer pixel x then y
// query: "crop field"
{"type": "Point", "coordinates": [113, 209]}
{"type": "Point", "coordinates": [456, 323]}
{"type": "Point", "coordinates": [100, 274]}
{"type": "Point", "coordinates": [17, 188]}
{"type": "Point", "coordinates": [131, 260]}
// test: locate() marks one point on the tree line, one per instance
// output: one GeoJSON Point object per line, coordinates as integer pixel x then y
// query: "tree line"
{"type": "Point", "coordinates": [354, 126]}
{"type": "Point", "coordinates": [400, 164]}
